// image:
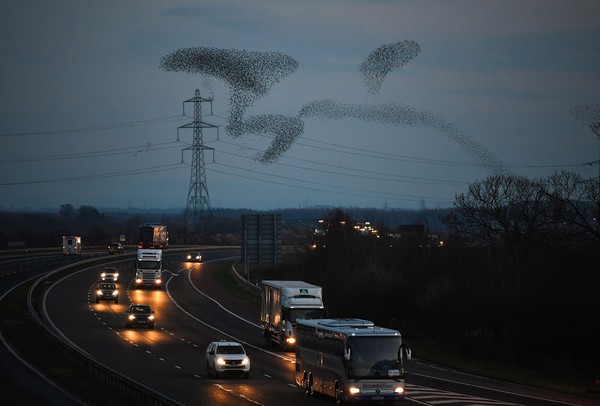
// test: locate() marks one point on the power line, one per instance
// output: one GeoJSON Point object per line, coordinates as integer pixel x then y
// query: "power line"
{"type": "Point", "coordinates": [98, 154]}
{"type": "Point", "coordinates": [162, 168]}
{"type": "Point", "coordinates": [370, 192]}
{"type": "Point", "coordinates": [399, 178]}
{"type": "Point", "coordinates": [398, 157]}
{"type": "Point", "coordinates": [97, 128]}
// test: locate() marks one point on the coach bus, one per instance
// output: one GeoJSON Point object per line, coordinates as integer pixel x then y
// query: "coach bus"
{"type": "Point", "coordinates": [350, 360]}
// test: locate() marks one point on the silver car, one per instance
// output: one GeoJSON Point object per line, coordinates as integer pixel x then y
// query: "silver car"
{"type": "Point", "coordinates": [227, 357]}
{"type": "Point", "coordinates": [110, 274]}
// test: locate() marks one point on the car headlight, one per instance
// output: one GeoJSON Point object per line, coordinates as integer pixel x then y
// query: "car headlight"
{"type": "Point", "coordinates": [151, 317]}
{"type": "Point", "coordinates": [103, 275]}
{"type": "Point", "coordinates": [138, 280]}
{"type": "Point", "coordinates": [132, 317]}
{"type": "Point", "coordinates": [220, 361]}
{"type": "Point", "coordinates": [115, 293]}
{"type": "Point", "coordinates": [399, 390]}
{"type": "Point", "coordinates": [354, 390]}
{"type": "Point", "coordinates": [116, 275]}
{"type": "Point", "coordinates": [189, 257]}
{"type": "Point", "coordinates": [99, 292]}
{"type": "Point", "coordinates": [158, 281]}
{"type": "Point", "coordinates": [246, 361]}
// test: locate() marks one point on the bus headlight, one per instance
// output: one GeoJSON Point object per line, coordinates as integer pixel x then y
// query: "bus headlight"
{"type": "Point", "coordinates": [354, 390]}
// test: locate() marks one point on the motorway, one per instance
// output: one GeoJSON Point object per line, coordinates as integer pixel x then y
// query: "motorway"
{"type": "Point", "coordinates": [193, 309]}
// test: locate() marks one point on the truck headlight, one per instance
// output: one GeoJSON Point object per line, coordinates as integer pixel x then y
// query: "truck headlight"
{"type": "Point", "coordinates": [138, 280]}
{"type": "Point", "coordinates": [99, 292]}
{"type": "Point", "coordinates": [354, 390]}
{"type": "Point", "coordinates": [116, 275]}
{"type": "Point", "coordinates": [399, 390]}
{"type": "Point", "coordinates": [103, 275]}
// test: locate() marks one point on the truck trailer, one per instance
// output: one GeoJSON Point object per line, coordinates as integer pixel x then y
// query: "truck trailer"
{"type": "Point", "coordinates": [282, 303]}
{"type": "Point", "coordinates": [148, 268]}
{"type": "Point", "coordinates": [71, 245]}
{"type": "Point", "coordinates": [153, 236]}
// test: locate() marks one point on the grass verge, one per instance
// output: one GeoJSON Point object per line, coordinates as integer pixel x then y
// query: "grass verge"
{"type": "Point", "coordinates": [229, 281]}
{"type": "Point", "coordinates": [503, 372]}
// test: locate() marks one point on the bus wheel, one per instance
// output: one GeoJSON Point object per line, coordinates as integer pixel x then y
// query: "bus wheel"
{"type": "Point", "coordinates": [338, 395]}
{"type": "Point", "coordinates": [305, 383]}
{"type": "Point", "coordinates": [310, 389]}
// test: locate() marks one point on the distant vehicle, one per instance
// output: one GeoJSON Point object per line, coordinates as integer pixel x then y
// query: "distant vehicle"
{"type": "Point", "coordinates": [107, 291]}
{"type": "Point", "coordinates": [110, 274]}
{"type": "Point", "coordinates": [153, 236]}
{"type": "Point", "coordinates": [194, 257]}
{"type": "Point", "coordinates": [282, 303]}
{"type": "Point", "coordinates": [115, 248]}
{"type": "Point", "coordinates": [148, 268]}
{"type": "Point", "coordinates": [350, 360]}
{"type": "Point", "coordinates": [227, 357]}
{"type": "Point", "coordinates": [71, 245]}
{"type": "Point", "coordinates": [140, 315]}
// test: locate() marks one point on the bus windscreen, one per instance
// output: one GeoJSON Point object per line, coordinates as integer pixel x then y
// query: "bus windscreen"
{"type": "Point", "coordinates": [375, 357]}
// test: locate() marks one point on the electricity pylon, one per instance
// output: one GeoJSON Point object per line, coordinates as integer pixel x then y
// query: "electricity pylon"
{"type": "Point", "coordinates": [198, 201]}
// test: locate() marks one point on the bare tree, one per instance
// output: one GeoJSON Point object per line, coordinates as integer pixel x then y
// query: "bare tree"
{"type": "Point", "coordinates": [502, 210]}
{"type": "Point", "coordinates": [575, 205]}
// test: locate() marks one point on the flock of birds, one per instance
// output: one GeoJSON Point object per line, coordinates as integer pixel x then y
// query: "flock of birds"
{"type": "Point", "coordinates": [251, 74]}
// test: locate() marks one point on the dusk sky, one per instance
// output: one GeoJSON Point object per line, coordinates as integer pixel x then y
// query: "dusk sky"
{"type": "Point", "coordinates": [380, 104]}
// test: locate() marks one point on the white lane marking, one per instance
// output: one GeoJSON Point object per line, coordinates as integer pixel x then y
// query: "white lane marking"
{"type": "Point", "coordinates": [283, 357]}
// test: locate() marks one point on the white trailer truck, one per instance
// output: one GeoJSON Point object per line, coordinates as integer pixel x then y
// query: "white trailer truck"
{"type": "Point", "coordinates": [148, 268]}
{"type": "Point", "coordinates": [71, 245]}
{"type": "Point", "coordinates": [283, 302]}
